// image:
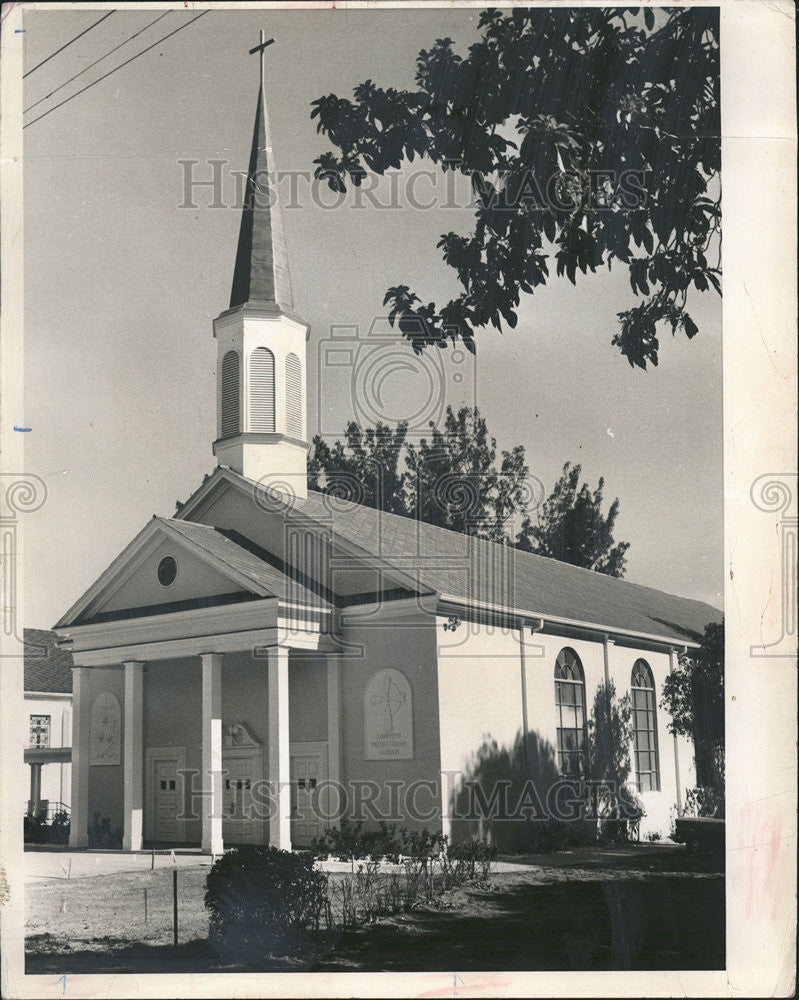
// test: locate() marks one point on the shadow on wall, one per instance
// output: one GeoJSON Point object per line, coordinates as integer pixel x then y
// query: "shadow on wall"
{"type": "Point", "coordinates": [517, 798]}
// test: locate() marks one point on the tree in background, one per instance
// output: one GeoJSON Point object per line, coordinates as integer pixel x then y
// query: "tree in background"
{"type": "Point", "coordinates": [589, 135]}
{"type": "Point", "coordinates": [693, 695]}
{"type": "Point", "coordinates": [572, 528]}
{"type": "Point", "coordinates": [452, 480]}
{"type": "Point", "coordinates": [456, 480]}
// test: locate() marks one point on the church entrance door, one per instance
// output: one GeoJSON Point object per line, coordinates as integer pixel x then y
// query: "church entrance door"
{"type": "Point", "coordinates": [241, 822]}
{"type": "Point", "coordinates": [308, 772]}
{"type": "Point", "coordinates": [164, 820]}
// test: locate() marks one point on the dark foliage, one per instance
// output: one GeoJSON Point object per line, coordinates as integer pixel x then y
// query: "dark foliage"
{"type": "Point", "coordinates": [693, 695]}
{"type": "Point", "coordinates": [263, 902]}
{"type": "Point", "coordinates": [102, 835]}
{"type": "Point", "coordinates": [39, 831]}
{"type": "Point", "coordinates": [589, 136]}
{"type": "Point", "coordinates": [572, 528]}
{"type": "Point", "coordinates": [387, 840]}
{"type": "Point", "coordinates": [454, 480]}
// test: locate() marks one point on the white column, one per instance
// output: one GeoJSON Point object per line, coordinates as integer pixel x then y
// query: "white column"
{"type": "Point", "coordinates": [212, 753]}
{"type": "Point", "coordinates": [81, 705]}
{"type": "Point", "coordinates": [672, 668]}
{"type": "Point", "coordinates": [280, 817]}
{"type": "Point", "coordinates": [334, 735]}
{"type": "Point", "coordinates": [134, 751]}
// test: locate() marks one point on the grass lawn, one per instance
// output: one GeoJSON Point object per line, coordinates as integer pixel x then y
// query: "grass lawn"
{"type": "Point", "coordinates": [654, 911]}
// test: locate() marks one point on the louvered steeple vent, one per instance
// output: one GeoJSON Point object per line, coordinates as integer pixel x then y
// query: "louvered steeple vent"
{"type": "Point", "coordinates": [261, 424]}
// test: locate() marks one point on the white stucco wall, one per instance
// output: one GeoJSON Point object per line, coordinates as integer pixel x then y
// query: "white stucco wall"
{"type": "Point", "coordinates": [406, 643]}
{"type": "Point", "coordinates": [480, 697]}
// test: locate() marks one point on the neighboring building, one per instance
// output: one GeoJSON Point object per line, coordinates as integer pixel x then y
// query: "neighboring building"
{"type": "Point", "coordinates": [267, 633]}
{"type": "Point", "coordinates": [48, 708]}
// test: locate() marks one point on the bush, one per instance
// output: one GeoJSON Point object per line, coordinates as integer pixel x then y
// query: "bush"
{"type": "Point", "coordinates": [264, 902]}
{"type": "Point", "coordinates": [704, 801]}
{"type": "Point", "coordinates": [101, 835]}
{"type": "Point", "coordinates": [38, 831]}
{"type": "Point", "coordinates": [352, 842]}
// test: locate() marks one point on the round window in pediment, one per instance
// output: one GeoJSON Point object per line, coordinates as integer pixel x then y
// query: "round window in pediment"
{"type": "Point", "coordinates": [167, 571]}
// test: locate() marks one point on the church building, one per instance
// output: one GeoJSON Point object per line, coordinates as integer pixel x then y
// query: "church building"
{"type": "Point", "coordinates": [271, 661]}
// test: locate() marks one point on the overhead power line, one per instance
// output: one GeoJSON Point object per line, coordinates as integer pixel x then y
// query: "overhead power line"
{"type": "Point", "coordinates": [53, 54]}
{"type": "Point", "coordinates": [121, 65]}
{"type": "Point", "coordinates": [92, 65]}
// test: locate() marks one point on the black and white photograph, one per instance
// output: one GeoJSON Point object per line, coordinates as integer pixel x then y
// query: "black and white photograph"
{"type": "Point", "coordinates": [399, 500]}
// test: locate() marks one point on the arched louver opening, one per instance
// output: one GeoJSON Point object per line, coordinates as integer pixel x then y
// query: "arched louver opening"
{"type": "Point", "coordinates": [645, 735]}
{"type": "Point", "coordinates": [230, 394]}
{"type": "Point", "coordinates": [262, 390]}
{"type": "Point", "coordinates": [293, 396]}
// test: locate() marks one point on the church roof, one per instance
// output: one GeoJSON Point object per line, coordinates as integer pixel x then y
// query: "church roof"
{"type": "Point", "coordinates": [261, 275]}
{"type": "Point", "coordinates": [47, 667]}
{"type": "Point", "coordinates": [476, 571]}
{"type": "Point", "coordinates": [240, 554]}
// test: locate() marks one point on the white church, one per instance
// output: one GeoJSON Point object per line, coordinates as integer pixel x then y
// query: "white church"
{"type": "Point", "coordinates": [272, 661]}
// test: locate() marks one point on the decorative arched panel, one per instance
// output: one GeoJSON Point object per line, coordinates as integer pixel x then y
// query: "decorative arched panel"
{"type": "Point", "coordinates": [293, 396]}
{"type": "Point", "coordinates": [262, 390]}
{"type": "Point", "coordinates": [231, 395]}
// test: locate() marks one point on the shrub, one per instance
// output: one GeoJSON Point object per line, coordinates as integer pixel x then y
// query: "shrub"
{"type": "Point", "coordinates": [704, 801]}
{"type": "Point", "coordinates": [39, 831]}
{"type": "Point", "coordinates": [263, 902]}
{"type": "Point", "coordinates": [352, 842]}
{"type": "Point", "coordinates": [101, 835]}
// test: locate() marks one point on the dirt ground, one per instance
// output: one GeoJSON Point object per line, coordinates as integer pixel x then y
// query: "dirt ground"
{"type": "Point", "coordinates": [632, 908]}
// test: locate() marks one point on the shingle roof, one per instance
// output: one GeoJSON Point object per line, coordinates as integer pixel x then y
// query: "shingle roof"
{"type": "Point", "coordinates": [47, 667]}
{"type": "Point", "coordinates": [243, 556]}
{"type": "Point", "coordinates": [472, 569]}
{"type": "Point", "coordinates": [466, 567]}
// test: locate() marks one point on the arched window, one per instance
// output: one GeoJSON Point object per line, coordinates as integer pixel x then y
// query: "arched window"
{"type": "Point", "coordinates": [645, 737]}
{"type": "Point", "coordinates": [262, 390]}
{"type": "Point", "coordinates": [230, 395]}
{"type": "Point", "coordinates": [293, 396]}
{"type": "Point", "coordinates": [570, 702]}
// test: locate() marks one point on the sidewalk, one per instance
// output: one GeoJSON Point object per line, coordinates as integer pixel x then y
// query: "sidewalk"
{"type": "Point", "coordinates": [45, 864]}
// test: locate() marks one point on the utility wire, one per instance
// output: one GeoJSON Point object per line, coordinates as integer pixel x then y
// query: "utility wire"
{"type": "Point", "coordinates": [91, 65]}
{"type": "Point", "coordinates": [106, 75]}
{"type": "Point", "coordinates": [85, 32]}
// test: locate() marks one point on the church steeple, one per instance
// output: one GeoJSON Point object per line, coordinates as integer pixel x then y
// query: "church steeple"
{"type": "Point", "coordinates": [261, 273]}
{"type": "Point", "coordinates": [261, 405]}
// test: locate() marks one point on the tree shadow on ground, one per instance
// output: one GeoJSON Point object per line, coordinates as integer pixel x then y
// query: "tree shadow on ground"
{"type": "Point", "coordinates": [119, 956]}
{"type": "Point", "coordinates": [667, 924]}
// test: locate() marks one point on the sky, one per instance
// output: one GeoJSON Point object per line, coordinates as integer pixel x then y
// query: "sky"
{"type": "Point", "coordinates": [122, 282]}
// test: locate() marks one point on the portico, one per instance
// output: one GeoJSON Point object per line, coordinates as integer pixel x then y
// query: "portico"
{"type": "Point", "coordinates": [192, 710]}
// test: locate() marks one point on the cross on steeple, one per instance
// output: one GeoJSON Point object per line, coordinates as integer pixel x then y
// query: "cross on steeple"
{"type": "Point", "coordinates": [261, 48]}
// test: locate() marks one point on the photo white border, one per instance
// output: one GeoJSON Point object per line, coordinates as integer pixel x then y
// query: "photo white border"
{"type": "Point", "coordinates": [759, 361]}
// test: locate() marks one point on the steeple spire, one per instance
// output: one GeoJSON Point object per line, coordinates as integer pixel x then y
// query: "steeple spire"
{"type": "Point", "coordinates": [261, 274]}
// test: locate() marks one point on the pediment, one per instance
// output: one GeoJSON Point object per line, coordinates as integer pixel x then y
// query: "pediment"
{"type": "Point", "coordinates": [162, 571]}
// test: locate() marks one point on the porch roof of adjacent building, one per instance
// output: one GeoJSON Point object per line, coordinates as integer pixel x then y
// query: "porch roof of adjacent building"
{"type": "Point", "coordinates": [482, 572]}
{"type": "Point", "coordinates": [47, 667]}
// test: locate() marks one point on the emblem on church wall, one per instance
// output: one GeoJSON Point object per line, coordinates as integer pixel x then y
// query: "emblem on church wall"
{"type": "Point", "coordinates": [105, 730]}
{"type": "Point", "coordinates": [388, 715]}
